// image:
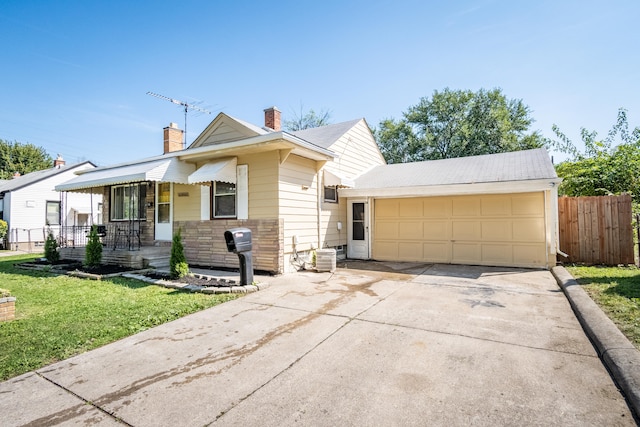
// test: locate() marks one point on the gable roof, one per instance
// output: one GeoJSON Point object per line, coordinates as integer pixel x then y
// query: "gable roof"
{"type": "Point", "coordinates": [512, 166]}
{"type": "Point", "coordinates": [225, 128]}
{"type": "Point", "coordinates": [325, 136]}
{"type": "Point", "coordinates": [33, 177]}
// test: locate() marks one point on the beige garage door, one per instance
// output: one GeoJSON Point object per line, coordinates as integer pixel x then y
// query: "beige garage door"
{"type": "Point", "coordinates": [501, 230]}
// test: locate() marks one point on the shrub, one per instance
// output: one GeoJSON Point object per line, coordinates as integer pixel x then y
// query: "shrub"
{"type": "Point", "coordinates": [178, 263]}
{"type": "Point", "coordinates": [51, 248]}
{"type": "Point", "coordinates": [3, 229]}
{"type": "Point", "coordinates": [4, 293]}
{"type": "Point", "coordinates": [93, 254]}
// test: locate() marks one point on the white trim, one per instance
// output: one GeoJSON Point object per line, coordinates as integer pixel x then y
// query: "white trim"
{"type": "Point", "coordinates": [242, 192]}
{"type": "Point", "coordinates": [205, 203]}
{"type": "Point", "coordinates": [455, 189]}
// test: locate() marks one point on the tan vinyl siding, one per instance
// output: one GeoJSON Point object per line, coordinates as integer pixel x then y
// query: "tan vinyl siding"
{"type": "Point", "coordinates": [186, 202]}
{"type": "Point", "coordinates": [263, 184]}
{"type": "Point", "coordinates": [299, 202]}
{"type": "Point", "coordinates": [357, 152]}
{"type": "Point", "coordinates": [225, 132]}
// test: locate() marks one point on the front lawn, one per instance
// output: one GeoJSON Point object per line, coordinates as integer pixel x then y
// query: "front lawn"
{"type": "Point", "coordinates": [617, 291]}
{"type": "Point", "coordinates": [61, 316]}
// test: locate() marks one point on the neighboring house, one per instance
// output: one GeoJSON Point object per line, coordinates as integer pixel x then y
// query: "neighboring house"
{"type": "Point", "coordinates": [30, 205]}
{"type": "Point", "coordinates": [327, 187]}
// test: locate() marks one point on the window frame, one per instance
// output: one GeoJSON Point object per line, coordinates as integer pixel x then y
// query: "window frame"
{"type": "Point", "coordinates": [141, 202]}
{"type": "Point", "coordinates": [46, 212]}
{"type": "Point", "coordinates": [335, 194]}
{"type": "Point", "coordinates": [214, 196]}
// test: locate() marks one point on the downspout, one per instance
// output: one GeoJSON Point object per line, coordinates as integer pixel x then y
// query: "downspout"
{"type": "Point", "coordinates": [319, 204]}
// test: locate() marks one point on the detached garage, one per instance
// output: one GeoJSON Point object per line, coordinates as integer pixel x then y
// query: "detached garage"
{"type": "Point", "coordinates": [498, 209]}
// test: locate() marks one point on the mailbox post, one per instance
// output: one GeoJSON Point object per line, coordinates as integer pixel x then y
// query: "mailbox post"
{"type": "Point", "coordinates": [239, 242]}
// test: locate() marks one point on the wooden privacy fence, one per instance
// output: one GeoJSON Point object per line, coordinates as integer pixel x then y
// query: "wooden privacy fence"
{"type": "Point", "coordinates": [596, 230]}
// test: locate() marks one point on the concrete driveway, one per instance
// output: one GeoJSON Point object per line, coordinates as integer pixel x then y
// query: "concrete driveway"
{"type": "Point", "coordinates": [406, 345]}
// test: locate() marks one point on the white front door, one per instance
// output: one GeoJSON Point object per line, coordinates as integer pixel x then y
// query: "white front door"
{"type": "Point", "coordinates": [358, 229]}
{"type": "Point", "coordinates": [164, 211]}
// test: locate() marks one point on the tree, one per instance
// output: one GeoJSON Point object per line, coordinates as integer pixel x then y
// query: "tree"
{"type": "Point", "coordinates": [51, 248]}
{"type": "Point", "coordinates": [22, 158]}
{"type": "Point", "coordinates": [178, 266]}
{"type": "Point", "coordinates": [607, 166]}
{"type": "Point", "coordinates": [307, 120]}
{"type": "Point", "coordinates": [459, 123]}
{"type": "Point", "coordinates": [93, 251]}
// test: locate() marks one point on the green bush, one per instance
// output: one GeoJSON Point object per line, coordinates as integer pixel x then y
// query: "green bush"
{"type": "Point", "coordinates": [51, 248]}
{"type": "Point", "coordinates": [93, 254]}
{"type": "Point", "coordinates": [178, 263]}
{"type": "Point", "coordinates": [4, 293]}
{"type": "Point", "coordinates": [3, 229]}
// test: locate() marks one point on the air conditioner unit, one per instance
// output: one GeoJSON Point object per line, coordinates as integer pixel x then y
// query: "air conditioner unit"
{"type": "Point", "coordinates": [325, 260]}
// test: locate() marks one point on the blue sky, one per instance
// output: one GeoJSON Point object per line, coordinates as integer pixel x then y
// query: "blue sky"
{"type": "Point", "coordinates": [75, 73]}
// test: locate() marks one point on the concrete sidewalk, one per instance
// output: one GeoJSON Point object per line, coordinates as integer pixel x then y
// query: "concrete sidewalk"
{"type": "Point", "coordinates": [427, 345]}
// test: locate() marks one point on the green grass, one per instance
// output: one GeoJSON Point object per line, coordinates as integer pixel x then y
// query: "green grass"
{"type": "Point", "coordinates": [60, 316]}
{"type": "Point", "coordinates": [617, 291]}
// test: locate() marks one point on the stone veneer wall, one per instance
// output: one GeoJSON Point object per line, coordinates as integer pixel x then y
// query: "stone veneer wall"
{"type": "Point", "coordinates": [204, 243]}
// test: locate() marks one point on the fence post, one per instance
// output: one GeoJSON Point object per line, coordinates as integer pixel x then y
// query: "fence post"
{"type": "Point", "coordinates": [638, 234]}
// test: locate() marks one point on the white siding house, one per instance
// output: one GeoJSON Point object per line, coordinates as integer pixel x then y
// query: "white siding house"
{"type": "Point", "coordinates": [30, 204]}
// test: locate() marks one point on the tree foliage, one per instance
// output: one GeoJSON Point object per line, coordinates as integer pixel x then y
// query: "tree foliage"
{"type": "Point", "coordinates": [51, 248]}
{"type": "Point", "coordinates": [178, 266]}
{"type": "Point", "coordinates": [458, 123]}
{"type": "Point", "coordinates": [307, 120]}
{"type": "Point", "coordinates": [606, 166]}
{"type": "Point", "coordinates": [93, 251]}
{"type": "Point", "coordinates": [22, 158]}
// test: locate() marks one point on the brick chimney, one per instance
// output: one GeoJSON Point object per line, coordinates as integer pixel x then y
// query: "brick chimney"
{"type": "Point", "coordinates": [58, 162]}
{"type": "Point", "coordinates": [172, 138]}
{"type": "Point", "coordinates": [272, 118]}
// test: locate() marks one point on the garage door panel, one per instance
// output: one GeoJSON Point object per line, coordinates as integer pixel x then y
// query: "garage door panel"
{"type": "Point", "coordinates": [467, 253]}
{"type": "Point", "coordinates": [529, 255]}
{"type": "Point", "coordinates": [411, 251]}
{"type": "Point", "coordinates": [497, 230]}
{"type": "Point", "coordinates": [528, 204]}
{"type": "Point", "coordinates": [387, 251]}
{"type": "Point", "coordinates": [437, 251]}
{"type": "Point", "coordinates": [466, 230]}
{"type": "Point", "coordinates": [436, 230]}
{"type": "Point", "coordinates": [387, 208]}
{"type": "Point", "coordinates": [529, 230]}
{"type": "Point", "coordinates": [410, 230]}
{"type": "Point", "coordinates": [387, 229]}
{"type": "Point", "coordinates": [411, 208]}
{"type": "Point", "coordinates": [465, 206]}
{"type": "Point", "coordinates": [495, 206]}
{"type": "Point", "coordinates": [437, 207]}
{"type": "Point", "coordinates": [499, 254]}
{"type": "Point", "coordinates": [503, 229]}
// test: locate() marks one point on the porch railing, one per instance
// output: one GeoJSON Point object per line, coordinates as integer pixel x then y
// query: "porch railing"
{"type": "Point", "coordinates": [114, 236]}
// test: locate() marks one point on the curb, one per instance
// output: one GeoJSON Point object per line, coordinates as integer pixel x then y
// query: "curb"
{"type": "Point", "coordinates": [619, 356]}
{"type": "Point", "coordinates": [231, 286]}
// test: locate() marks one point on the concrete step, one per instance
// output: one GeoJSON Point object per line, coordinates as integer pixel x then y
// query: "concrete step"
{"type": "Point", "coordinates": [157, 261]}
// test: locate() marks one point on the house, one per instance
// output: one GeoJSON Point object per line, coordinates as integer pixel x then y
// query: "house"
{"type": "Point", "coordinates": [326, 187]}
{"type": "Point", "coordinates": [30, 205]}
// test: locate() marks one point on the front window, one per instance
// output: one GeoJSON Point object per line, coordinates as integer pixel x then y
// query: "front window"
{"type": "Point", "coordinates": [128, 202]}
{"type": "Point", "coordinates": [53, 213]}
{"type": "Point", "coordinates": [331, 194]}
{"type": "Point", "coordinates": [223, 200]}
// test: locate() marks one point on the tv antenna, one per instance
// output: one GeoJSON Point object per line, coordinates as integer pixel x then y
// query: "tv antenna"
{"type": "Point", "coordinates": [186, 106]}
